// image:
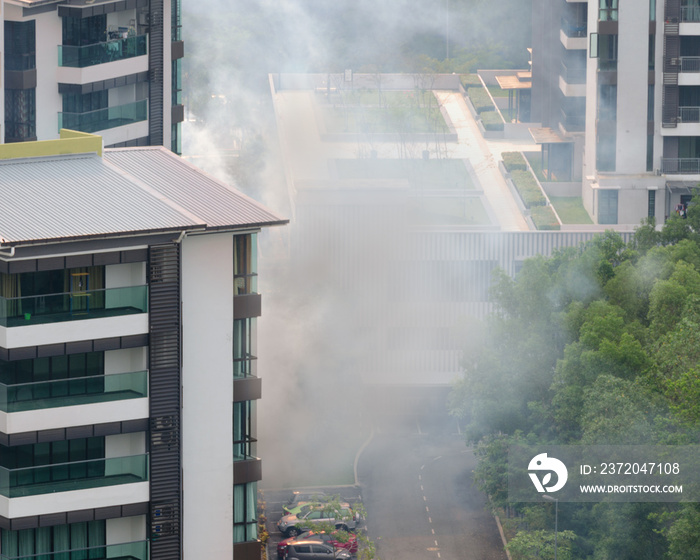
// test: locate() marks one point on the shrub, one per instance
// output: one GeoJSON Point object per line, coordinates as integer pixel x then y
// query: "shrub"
{"type": "Point", "coordinates": [543, 217]}
{"type": "Point", "coordinates": [491, 120]}
{"type": "Point", "coordinates": [528, 188]}
{"type": "Point", "coordinates": [470, 80]}
{"type": "Point", "coordinates": [480, 99]}
{"type": "Point", "coordinates": [514, 161]}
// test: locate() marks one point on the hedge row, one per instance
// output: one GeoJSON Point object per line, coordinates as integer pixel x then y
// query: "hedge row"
{"type": "Point", "coordinates": [528, 188]}
{"type": "Point", "coordinates": [480, 99]}
{"type": "Point", "coordinates": [491, 120]}
{"type": "Point", "coordinates": [544, 218]}
{"type": "Point", "coordinates": [470, 80]}
{"type": "Point", "coordinates": [514, 161]}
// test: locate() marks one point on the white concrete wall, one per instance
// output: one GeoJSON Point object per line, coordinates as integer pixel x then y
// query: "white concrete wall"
{"type": "Point", "coordinates": [126, 529]}
{"type": "Point", "coordinates": [128, 359]}
{"type": "Point", "coordinates": [589, 154]}
{"type": "Point", "coordinates": [45, 504]}
{"type": "Point", "coordinates": [48, 101]}
{"type": "Point", "coordinates": [207, 413]}
{"type": "Point", "coordinates": [72, 331]}
{"type": "Point", "coordinates": [632, 87]}
{"type": "Point", "coordinates": [79, 415]}
{"type": "Point", "coordinates": [125, 445]}
{"type": "Point", "coordinates": [126, 274]}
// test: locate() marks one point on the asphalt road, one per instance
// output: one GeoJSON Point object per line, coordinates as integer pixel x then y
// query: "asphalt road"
{"type": "Point", "coordinates": [420, 500]}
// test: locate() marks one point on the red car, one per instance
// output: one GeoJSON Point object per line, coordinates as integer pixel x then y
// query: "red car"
{"type": "Point", "coordinates": [350, 545]}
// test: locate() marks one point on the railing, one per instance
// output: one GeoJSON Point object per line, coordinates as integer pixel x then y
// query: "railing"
{"type": "Point", "coordinates": [131, 551]}
{"type": "Point", "coordinates": [104, 119]}
{"type": "Point", "coordinates": [574, 28]}
{"type": "Point", "coordinates": [607, 64]}
{"type": "Point", "coordinates": [73, 391]}
{"type": "Point", "coordinates": [688, 114]}
{"type": "Point", "coordinates": [573, 123]}
{"type": "Point", "coordinates": [574, 75]}
{"type": "Point", "coordinates": [244, 284]}
{"type": "Point", "coordinates": [242, 449]}
{"type": "Point", "coordinates": [690, 63]}
{"type": "Point", "coordinates": [690, 13]}
{"type": "Point", "coordinates": [680, 166]}
{"type": "Point", "coordinates": [20, 62]}
{"type": "Point", "coordinates": [244, 367]}
{"type": "Point", "coordinates": [100, 53]}
{"type": "Point", "coordinates": [71, 306]}
{"type": "Point", "coordinates": [607, 14]}
{"type": "Point", "coordinates": [76, 475]}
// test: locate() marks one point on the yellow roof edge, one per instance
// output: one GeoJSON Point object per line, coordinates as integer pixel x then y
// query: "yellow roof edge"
{"type": "Point", "coordinates": [70, 142]}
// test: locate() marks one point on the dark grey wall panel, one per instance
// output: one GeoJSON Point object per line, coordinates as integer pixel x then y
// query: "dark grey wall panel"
{"type": "Point", "coordinates": [165, 356]}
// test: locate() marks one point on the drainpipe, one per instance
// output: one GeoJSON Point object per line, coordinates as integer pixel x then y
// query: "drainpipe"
{"type": "Point", "coordinates": [11, 254]}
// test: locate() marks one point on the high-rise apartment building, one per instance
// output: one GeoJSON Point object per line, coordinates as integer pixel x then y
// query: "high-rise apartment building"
{"type": "Point", "coordinates": [618, 82]}
{"type": "Point", "coordinates": [109, 67]}
{"type": "Point", "coordinates": [128, 380]}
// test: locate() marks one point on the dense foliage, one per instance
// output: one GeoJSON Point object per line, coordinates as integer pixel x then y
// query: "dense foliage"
{"type": "Point", "coordinates": [599, 344]}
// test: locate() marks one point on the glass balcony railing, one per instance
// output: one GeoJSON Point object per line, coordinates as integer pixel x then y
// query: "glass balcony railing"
{"type": "Point", "coordinates": [690, 13]}
{"type": "Point", "coordinates": [574, 28]}
{"type": "Point", "coordinates": [243, 449]}
{"type": "Point", "coordinates": [680, 166]}
{"type": "Point", "coordinates": [73, 391]}
{"type": "Point", "coordinates": [71, 306]}
{"type": "Point", "coordinates": [76, 475]}
{"type": "Point", "coordinates": [245, 366]}
{"type": "Point", "coordinates": [100, 53]}
{"type": "Point", "coordinates": [104, 119]}
{"type": "Point", "coordinates": [690, 64]}
{"type": "Point", "coordinates": [245, 284]}
{"type": "Point", "coordinates": [20, 62]}
{"type": "Point", "coordinates": [689, 114]}
{"type": "Point", "coordinates": [125, 551]}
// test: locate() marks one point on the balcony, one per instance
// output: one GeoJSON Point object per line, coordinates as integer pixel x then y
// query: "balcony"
{"type": "Point", "coordinates": [574, 122]}
{"type": "Point", "coordinates": [100, 53]}
{"type": "Point", "coordinates": [690, 14]}
{"type": "Point", "coordinates": [73, 392]}
{"type": "Point", "coordinates": [689, 114]}
{"type": "Point", "coordinates": [104, 119]}
{"type": "Point", "coordinates": [574, 28]}
{"type": "Point", "coordinates": [126, 551]}
{"type": "Point", "coordinates": [689, 64]}
{"type": "Point", "coordinates": [680, 166]}
{"type": "Point", "coordinates": [72, 306]}
{"type": "Point", "coordinates": [77, 475]}
{"type": "Point", "coordinates": [573, 74]}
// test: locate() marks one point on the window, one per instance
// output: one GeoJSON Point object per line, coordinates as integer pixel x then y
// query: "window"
{"type": "Point", "coordinates": [72, 537]}
{"type": "Point", "coordinates": [607, 206]}
{"type": "Point", "coordinates": [608, 10]}
{"type": "Point", "coordinates": [244, 348]}
{"type": "Point", "coordinates": [607, 53]}
{"type": "Point", "coordinates": [20, 45]}
{"type": "Point", "coordinates": [245, 266]}
{"type": "Point", "coordinates": [245, 517]}
{"type": "Point", "coordinates": [243, 412]}
{"type": "Point", "coordinates": [78, 32]}
{"type": "Point", "coordinates": [20, 115]}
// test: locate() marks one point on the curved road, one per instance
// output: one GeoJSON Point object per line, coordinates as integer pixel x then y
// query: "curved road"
{"type": "Point", "coordinates": [421, 503]}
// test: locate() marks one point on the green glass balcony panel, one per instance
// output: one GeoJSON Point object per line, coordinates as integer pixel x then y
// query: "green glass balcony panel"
{"type": "Point", "coordinates": [245, 284]}
{"type": "Point", "coordinates": [125, 551]}
{"type": "Point", "coordinates": [72, 306]}
{"type": "Point", "coordinates": [245, 367]}
{"type": "Point", "coordinates": [77, 475]}
{"type": "Point", "coordinates": [100, 53]}
{"type": "Point", "coordinates": [73, 391]}
{"type": "Point", "coordinates": [104, 119]}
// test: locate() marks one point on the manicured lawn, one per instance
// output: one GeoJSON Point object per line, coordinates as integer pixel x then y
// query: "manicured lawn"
{"type": "Point", "coordinates": [570, 209]}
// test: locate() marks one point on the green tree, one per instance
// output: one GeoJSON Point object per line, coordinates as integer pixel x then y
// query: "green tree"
{"type": "Point", "coordinates": [539, 545]}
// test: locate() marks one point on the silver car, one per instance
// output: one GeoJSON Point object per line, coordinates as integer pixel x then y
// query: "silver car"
{"type": "Point", "coordinates": [343, 518]}
{"type": "Point", "coordinates": [314, 550]}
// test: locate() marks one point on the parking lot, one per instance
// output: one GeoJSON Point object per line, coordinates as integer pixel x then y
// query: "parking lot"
{"type": "Point", "coordinates": [275, 499]}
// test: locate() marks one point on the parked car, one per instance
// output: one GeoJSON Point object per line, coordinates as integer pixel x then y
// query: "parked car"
{"type": "Point", "coordinates": [301, 498]}
{"type": "Point", "coordinates": [314, 550]}
{"type": "Point", "coordinates": [344, 518]}
{"type": "Point", "coordinates": [330, 539]}
{"type": "Point", "coordinates": [301, 507]}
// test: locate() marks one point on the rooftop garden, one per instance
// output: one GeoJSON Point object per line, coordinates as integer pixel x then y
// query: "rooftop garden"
{"type": "Point", "coordinates": [376, 111]}
{"type": "Point", "coordinates": [421, 174]}
{"type": "Point", "coordinates": [436, 211]}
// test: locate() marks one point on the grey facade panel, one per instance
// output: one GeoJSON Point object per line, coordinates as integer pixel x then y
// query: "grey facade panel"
{"type": "Point", "coordinates": [165, 402]}
{"type": "Point", "coordinates": [249, 305]}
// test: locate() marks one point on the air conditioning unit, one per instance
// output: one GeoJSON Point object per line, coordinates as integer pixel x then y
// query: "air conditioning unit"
{"type": "Point", "coordinates": [657, 171]}
{"type": "Point", "coordinates": [673, 62]}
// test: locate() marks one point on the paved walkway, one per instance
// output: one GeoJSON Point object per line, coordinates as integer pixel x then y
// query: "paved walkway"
{"type": "Point", "coordinates": [484, 156]}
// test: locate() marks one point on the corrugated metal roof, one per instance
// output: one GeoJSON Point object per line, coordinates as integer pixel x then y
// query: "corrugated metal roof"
{"type": "Point", "coordinates": [129, 191]}
{"type": "Point", "coordinates": [205, 196]}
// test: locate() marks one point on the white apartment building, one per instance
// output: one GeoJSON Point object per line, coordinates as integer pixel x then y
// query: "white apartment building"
{"type": "Point", "coordinates": [618, 82]}
{"type": "Point", "coordinates": [128, 380]}
{"type": "Point", "coordinates": [98, 66]}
